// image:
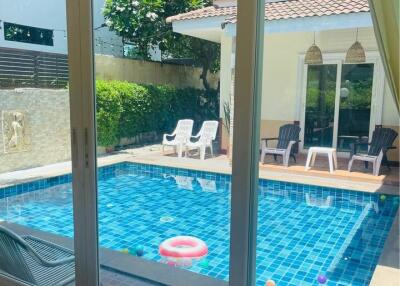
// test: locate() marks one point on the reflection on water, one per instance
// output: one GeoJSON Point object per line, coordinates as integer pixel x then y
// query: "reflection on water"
{"type": "Point", "coordinates": [182, 182]}
{"type": "Point", "coordinates": [19, 207]}
{"type": "Point", "coordinates": [320, 202]}
{"type": "Point", "coordinates": [207, 185]}
{"type": "Point", "coordinates": [191, 183]}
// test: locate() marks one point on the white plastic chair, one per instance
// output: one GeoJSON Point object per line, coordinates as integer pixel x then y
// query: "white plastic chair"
{"type": "Point", "coordinates": [181, 135]}
{"type": "Point", "coordinates": [206, 135]}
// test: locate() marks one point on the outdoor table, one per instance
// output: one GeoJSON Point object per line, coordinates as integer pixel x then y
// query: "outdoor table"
{"type": "Point", "coordinates": [330, 152]}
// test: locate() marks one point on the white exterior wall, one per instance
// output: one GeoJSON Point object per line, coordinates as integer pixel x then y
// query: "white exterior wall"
{"type": "Point", "coordinates": [51, 14]}
{"type": "Point", "coordinates": [46, 14]}
{"type": "Point", "coordinates": [281, 95]}
{"type": "Point", "coordinates": [112, 44]}
{"type": "Point", "coordinates": [282, 74]}
{"type": "Point", "coordinates": [283, 83]}
{"type": "Point", "coordinates": [225, 70]}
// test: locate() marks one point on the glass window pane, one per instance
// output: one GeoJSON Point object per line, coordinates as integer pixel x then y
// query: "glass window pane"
{"type": "Point", "coordinates": [35, 144]}
{"type": "Point", "coordinates": [317, 225]}
{"type": "Point", "coordinates": [355, 104]}
{"type": "Point", "coordinates": [162, 132]}
{"type": "Point", "coordinates": [320, 105]}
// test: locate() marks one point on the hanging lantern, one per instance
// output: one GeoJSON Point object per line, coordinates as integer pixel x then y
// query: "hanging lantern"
{"type": "Point", "coordinates": [313, 55]}
{"type": "Point", "coordinates": [356, 53]}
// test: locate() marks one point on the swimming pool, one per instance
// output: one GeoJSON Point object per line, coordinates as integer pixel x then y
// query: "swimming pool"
{"type": "Point", "coordinates": [303, 230]}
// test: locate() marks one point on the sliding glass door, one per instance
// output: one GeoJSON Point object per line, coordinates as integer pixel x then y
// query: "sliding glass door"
{"type": "Point", "coordinates": [154, 206]}
{"type": "Point", "coordinates": [355, 104]}
{"type": "Point", "coordinates": [342, 103]}
{"type": "Point", "coordinates": [36, 192]}
{"type": "Point", "coordinates": [165, 146]}
{"type": "Point", "coordinates": [320, 105]}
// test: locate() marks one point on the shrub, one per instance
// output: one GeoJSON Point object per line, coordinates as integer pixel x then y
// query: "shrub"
{"type": "Point", "coordinates": [109, 110]}
{"type": "Point", "coordinates": [128, 109]}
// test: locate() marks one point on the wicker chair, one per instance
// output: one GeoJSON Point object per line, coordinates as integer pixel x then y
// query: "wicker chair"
{"type": "Point", "coordinates": [287, 145]}
{"type": "Point", "coordinates": [35, 261]}
{"type": "Point", "coordinates": [382, 141]}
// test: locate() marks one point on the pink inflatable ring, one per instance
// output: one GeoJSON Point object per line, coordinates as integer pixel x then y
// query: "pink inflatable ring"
{"type": "Point", "coordinates": [183, 247]}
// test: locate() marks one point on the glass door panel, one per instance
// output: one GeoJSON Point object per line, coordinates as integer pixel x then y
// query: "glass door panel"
{"type": "Point", "coordinates": [35, 145]}
{"type": "Point", "coordinates": [161, 128]}
{"type": "Point", "coordinates": [320, 105]}
{"type": "Point", "coordinates": [355, 104]}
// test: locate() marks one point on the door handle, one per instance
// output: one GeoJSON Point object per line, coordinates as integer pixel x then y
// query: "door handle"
{"type": "Point", "coordinates": [74, 148]}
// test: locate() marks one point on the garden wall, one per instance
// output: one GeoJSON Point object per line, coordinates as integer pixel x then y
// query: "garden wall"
{"type": "Point", "coordinates": [137, 71]}
{"type": "Point", "coordinates": [35, 128]}
{"type": "Point", "coordinates": [35, 123]}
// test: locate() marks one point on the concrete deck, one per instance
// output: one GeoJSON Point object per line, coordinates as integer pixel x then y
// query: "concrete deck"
{"type": "Point", "coordinates": [388, 269]}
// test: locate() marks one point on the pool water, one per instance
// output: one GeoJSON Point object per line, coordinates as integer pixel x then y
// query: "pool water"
{"type": "Point", "coordinates": [303, 231]}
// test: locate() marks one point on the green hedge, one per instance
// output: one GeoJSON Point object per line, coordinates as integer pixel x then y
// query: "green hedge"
{"type": "Point", "coordinates": [127, 109]}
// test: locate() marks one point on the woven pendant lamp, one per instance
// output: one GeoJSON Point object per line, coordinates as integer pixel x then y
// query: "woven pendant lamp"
{"type": "Point", "coordinates": [356, 53]}
{"type": "Point", "coordinates": [313, 55]}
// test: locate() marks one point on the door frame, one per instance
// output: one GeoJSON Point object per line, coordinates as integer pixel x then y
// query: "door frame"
{"type": "Point", "coordinates": [378, 88]}
{"type": "Point", "coordinates": [248, 83]}
{"type": "Point", "coordinates": [83, 144]}
{"type": "Point", "coordinates": [245, 152]}
{"type": "Point", "coordinates": [83, 137]}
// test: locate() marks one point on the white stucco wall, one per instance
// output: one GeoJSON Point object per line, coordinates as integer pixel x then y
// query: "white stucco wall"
{"type": "Point", "coordinates": [280, 100]}
{"type": "Point", "coordinates": [51, 14]}
{"type": "Point", "coordinates": [281, 67]}
{"type": "Point", "coordinates": [226, 70]}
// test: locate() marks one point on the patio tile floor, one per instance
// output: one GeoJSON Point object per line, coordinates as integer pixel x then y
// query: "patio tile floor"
{"type": "Point", "coordinates": [359, 179]}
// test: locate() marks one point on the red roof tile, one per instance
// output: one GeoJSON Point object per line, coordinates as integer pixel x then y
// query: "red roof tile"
{"type": "Point", "coordinates": [282, 10]}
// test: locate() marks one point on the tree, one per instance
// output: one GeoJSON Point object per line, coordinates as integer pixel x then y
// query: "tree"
{"type": "Point", "coordinates": [143, 24]}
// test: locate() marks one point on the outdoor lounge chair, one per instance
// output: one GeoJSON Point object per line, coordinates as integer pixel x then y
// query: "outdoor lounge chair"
{"type": "Point", "coordinates": [206, 135]}
{"type": "Point", "coordinates": [382, 141]}
{"type": "Point", "coordinates": [287, 145]}
{"type": "Point", "coordinates": [35, 261]}
{"type": "Point", "coordinates": [179, 137]}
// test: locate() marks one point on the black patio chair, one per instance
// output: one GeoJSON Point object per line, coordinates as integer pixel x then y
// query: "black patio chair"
{"type": "Point", "coordinates": [287, 146]}
{"type": "Point", "coordinates": [35, 261]}
{"type": "Point", "coordinates": [382, 141]}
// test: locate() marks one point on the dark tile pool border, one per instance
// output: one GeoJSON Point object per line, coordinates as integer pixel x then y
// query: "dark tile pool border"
{"type": "Point", "coordinates": [295, 191]}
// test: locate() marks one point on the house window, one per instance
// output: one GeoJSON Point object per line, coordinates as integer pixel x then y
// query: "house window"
{"type": "Point", "coordinates": [27, 34]}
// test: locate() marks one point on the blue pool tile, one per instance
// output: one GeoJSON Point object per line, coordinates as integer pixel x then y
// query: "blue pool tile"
{"type": "Point", "coordinates": [303, 230]}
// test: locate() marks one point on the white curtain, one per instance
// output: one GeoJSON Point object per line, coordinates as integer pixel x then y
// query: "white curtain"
{"type": "Point", "coordinates": [385, 16]}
